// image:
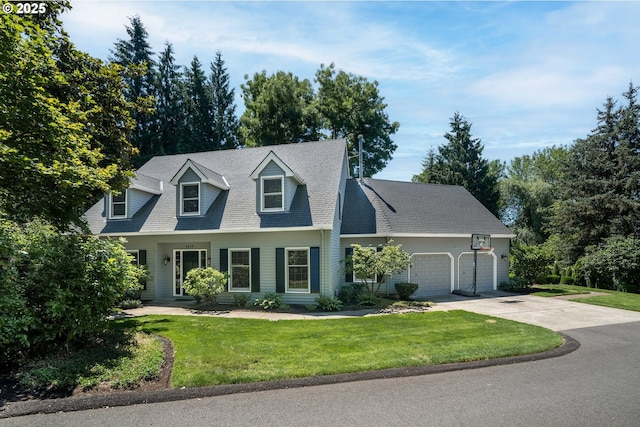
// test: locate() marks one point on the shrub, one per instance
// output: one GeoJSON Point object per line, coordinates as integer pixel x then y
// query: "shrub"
{"type": "Point", "coordinates": [326, 303]}
{"type": "Point", "coordinates": [613, 265]}
{"type": "Point", "coordinates": [241, 300]}
{"type": "Point", "coordinates": [348, 294]}
{"type": "Point", "coordinates": [130, 303]}
{"type": "Point", "coordinates": [530, 262]}
{"type": "Point", "coordinates": [311, 307]}
{"type": "Point", "coordinates": [515, 284]}
{"type": "Point", "coordinates": [205, 283]}
{"type": "Point", "coordinates": [270, 301]}
{"type": "Point", "coordinates": [57, 287]}
{"type": "Point", "coordinates": [405, 290]}
{"type": "Point", "coordinates": [368, 299]}
{"type": "Point", "coordinates": [552, 279]}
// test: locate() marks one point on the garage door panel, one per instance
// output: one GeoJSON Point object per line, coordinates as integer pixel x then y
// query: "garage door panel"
{"type": "Point", "coordinates": [432, 274]}
{"type": "Point", "coordinates": [484, 274]}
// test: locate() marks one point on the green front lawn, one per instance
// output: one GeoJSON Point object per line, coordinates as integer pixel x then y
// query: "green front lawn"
{"type": "Point", "coordinates": [614, 299]}
{"type": "Point", "coordinates": [210, 350]}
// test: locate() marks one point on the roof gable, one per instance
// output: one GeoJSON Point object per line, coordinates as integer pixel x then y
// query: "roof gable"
{"type": "Point", "coordinates": [272, 157]}
{"type": "Point", "coordinates": [206, 175]}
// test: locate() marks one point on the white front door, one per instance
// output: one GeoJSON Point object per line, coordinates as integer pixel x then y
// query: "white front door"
{"type": "Point", "coordinates": [185, 260]}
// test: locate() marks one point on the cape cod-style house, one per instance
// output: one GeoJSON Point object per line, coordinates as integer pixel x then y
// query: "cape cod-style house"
{"type": "Point", "coordinates": [282, 219]}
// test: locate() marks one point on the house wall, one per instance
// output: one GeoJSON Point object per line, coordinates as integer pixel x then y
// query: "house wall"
{"type": "Point", "coordinates": [160, 284]}
{"type": "Point", "coordinates": [460, 250]}
{"type": "Point", "coordinates": [135, 200]}
{"type": "Point", "coordinates": [289, 186]}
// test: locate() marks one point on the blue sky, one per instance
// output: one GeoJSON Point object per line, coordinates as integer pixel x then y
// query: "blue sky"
{"type": "Point", "coordinates": [526, 74]}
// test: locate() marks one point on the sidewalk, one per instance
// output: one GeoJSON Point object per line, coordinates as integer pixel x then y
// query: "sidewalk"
{"type": "Point", "coordinates": [558, 314]}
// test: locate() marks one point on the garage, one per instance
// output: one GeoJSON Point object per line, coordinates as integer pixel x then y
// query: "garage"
{"type": "Point", "coordinates": [433, 273]}
{"type": "Point", "coordinates": [485, 272]}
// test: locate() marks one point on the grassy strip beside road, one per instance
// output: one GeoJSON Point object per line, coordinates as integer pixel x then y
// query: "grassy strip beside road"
{"type": "Point", "coordinates": [613, 299]}
{"type": "Point", "coordinates": [210, 351]}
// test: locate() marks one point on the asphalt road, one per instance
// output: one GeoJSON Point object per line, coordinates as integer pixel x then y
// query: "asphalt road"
{"type": "Point", "coordinates": [596, 385]}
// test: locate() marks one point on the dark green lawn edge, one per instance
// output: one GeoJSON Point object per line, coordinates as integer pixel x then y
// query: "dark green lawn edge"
{"type": "Point", "coordinates": [82, 403]}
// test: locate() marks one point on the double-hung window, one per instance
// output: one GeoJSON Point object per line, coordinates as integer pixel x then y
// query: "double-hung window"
{"type": "Point", "coordinates": [119, 205]}
{"type": "Point", "coordinates": [272, 193]}
{"type": "Point", "coordinates": [190, 199]}
{"type": "Point", "coordinates": [297, 270]}
{"type": "Point", "coordinates": [240, 270]}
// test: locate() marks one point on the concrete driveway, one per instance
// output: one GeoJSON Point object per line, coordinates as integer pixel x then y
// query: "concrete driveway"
{"type": "Point", "coordinates": [553, 313]}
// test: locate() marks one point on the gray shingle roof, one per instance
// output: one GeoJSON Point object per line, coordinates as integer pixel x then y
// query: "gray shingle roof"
{"type": "Point", "coordinates": [393, 207]}
{"type": "Point", "coordinates": [319, 164]}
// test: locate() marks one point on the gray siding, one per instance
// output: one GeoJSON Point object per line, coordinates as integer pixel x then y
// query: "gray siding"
{"type": "Point", "coordinates": [289, 190]}
{"type": "Point", "coordinates": [136, 200]}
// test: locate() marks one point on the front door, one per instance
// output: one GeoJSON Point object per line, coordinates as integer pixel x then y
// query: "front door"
{"type": "Point", "coordinates": [183, 262]}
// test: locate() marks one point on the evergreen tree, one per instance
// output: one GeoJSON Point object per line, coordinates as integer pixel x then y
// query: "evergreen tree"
{"type": "Point", "coordinates": [199, 135]}
{"type": "Point", "coordinates": [224, 107]}
{"type": "Point", "coordinates": [602, 181]}
{"type": "Point", "coordinates": [460, 162]}
{"type": "Point", "coordinates": [170, 106]}
{"type": "Point", "coordinates": [135, 54]}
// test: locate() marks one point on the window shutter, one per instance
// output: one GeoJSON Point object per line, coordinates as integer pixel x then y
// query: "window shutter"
{"type": "Point", "coordinates": [142, 257]}
{"type": "Point", "coordinates": [224, 264]}
{"type": "Point", "coordinates": [348, 265]}
{"type": "Point", "coordinates": [255, 269]}
{"type": "Point", "coordinates": [314, 259]}
{"type": "Point", "coordinates": [224, 260]}
{"type": "Point", "coordinates": [280, 277]}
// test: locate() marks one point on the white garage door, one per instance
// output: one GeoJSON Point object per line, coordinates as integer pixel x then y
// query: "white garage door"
{"type": "Point", "coordinates": [484, 274]}
{"type": "Point", "coordinates": [432, 273]}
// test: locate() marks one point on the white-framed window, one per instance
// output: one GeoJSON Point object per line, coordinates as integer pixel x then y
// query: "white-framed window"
{"type": "Point", "coordinates": [239, 270]}
{"type": "Point", "coordinates": [297, 270]}
{"type": "Point", "coordinates": [118, 205]}
{"type": "Point", "coordinates": [272, 193]}
{"type": "Point", "coordinates": [190, 198]}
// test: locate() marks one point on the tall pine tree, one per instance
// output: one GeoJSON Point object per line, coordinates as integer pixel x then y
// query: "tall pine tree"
{"type": "Point", "coordinates": [135, 54]}
{"type": "Point", "coordinates": [170, 103]}
{"type": "Point", "coordinates": [225, 123]}
{"type": "Point", "coordinates": [460, 162]}
{"type": "Point", "coordinates": [199, 132]}
{"type": "Point", "coordinates": [602, 181]}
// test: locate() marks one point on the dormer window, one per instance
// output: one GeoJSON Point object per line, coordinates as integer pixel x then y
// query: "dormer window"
{"type": "Point", "coordinates": [119, 205]}
{"type": "Point", "coordinates": [272, 193]}
{"type": "Point", "coordinates": [190, 198]}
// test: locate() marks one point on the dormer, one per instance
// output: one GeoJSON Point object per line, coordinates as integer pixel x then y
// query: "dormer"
{"type": "Point", "coordinates": [127, 203]}
{"type": "Point", "coordinates": [197, 187]}
{"type": "Point", "coordinates": [276, 184]}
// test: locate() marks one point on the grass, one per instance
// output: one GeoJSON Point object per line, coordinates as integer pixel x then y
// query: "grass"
{"type": "Point", "coordinates": [613, 299]}
{"type": "Point", "coordinates": [210, 351]}
{"type": "Point", "coordinates": [119, 359]}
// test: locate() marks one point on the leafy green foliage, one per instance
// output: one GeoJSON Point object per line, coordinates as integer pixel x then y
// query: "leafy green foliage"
{"type": "Point", "coordinates": [241, 300]}
{"type": "Point", "coordinates": [279, 110]}
{"type": "Point", "coordinates": [61, 287]}
{"type": "Point", "coordinates": [529, 189]}
{"type": "Point", "coordinates": [328, 303]}
{"type": "Point", "coordinates": [613, 265]}
{"type": "Point", "coordinates": [205, 283]}
{"type": "Point", "coordinates": [349, 293]}
{"type": "Point", "coordinates": [349, 106]}
{"type": "Point", "coordinates": [405, 290]}
{"type": "Point", "coordinates": [63, 122]}
{"type": "Point", "coordinates": [270, 301]}
{"type": "Point", "coordinates": [460, 162]}
{"type": "Point", "coordinates": [530, 262]}
{"type": "Point", "coordinates": [369, 264]}
{"type": "Point", "coordinates": [225, 123]}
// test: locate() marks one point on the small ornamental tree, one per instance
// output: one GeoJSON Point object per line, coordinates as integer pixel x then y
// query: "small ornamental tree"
{"type": "Point", "coordinates": [205, 283]}
{"type": "Point", "coordinates": [372, 265]}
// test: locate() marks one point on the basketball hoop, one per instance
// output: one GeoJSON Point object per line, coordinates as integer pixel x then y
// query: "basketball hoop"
{"type": "Point", "coordinates": [481, 242]}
